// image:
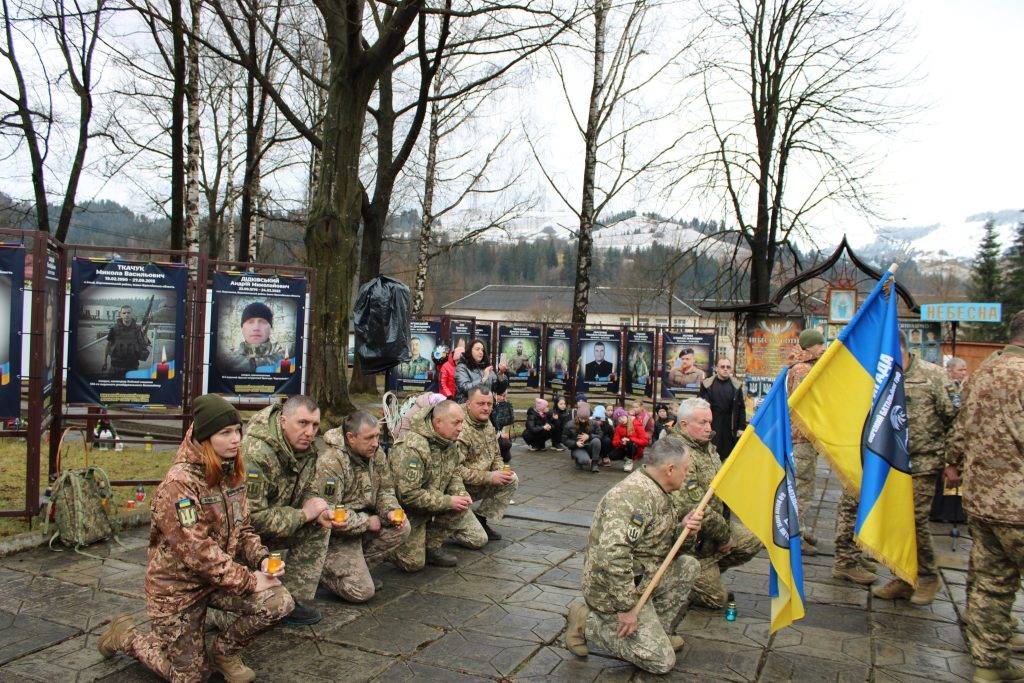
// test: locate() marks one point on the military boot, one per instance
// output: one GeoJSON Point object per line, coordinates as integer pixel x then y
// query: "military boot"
{"type": "Point", "coordinates": [807, 549]}
{"type": "Point", "coordinates": [303, 615]}
{"type": "Point", "coordinates": [575, 631]}
{"type": "Point", "coordinates": [1017, 642]}
{"type": "Point", "coordinates": [855, 573]}
{"type": "Point", "coordinates": [492, 535]}
{"type": "Point", "coordinates": [926, 590]}
{"type": "Point", "coordinates": [896, 589]}
{"type": "Point", "coordinates": [440, 558]}
{"type": "Point", "coordinates": [1010, 672]}
{"type": "Point", "coordinates": [232, 668]}
{"type": "Point", "coordinates": [115, 638]}
{"type": "Point", "coordinates": [677, 642]}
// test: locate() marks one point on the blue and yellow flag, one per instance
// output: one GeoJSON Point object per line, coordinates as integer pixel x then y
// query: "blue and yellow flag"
{"type": "Point", "coordinates": [842, 406]}
{"type": "Point", "coordinates": [757, 483]}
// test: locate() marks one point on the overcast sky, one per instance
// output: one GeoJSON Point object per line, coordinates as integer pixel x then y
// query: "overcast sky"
{"type": "Point", "coordinates": [961, 155]}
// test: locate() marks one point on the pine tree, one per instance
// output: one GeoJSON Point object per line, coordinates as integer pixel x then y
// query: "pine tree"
{"type": "Point", "coordinates": [1013, 284]}
{"type": "Point", "coordinates": [985, 276]}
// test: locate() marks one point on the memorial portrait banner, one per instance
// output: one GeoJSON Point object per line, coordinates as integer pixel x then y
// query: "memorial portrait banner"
{"type": "Point", "coordinates": [256, 334]}
{"type": "Point", "coordinates": [52, 329]}
{"type": "Point", "coordinates": [556, 356]}
{"type": "Point", "coordinates": [687, 358]}
{"type": "Point", "coordinates": [519, 348]}
{"type": "Point", "coordinates": [416, 373]}
{"type": "Point", "coordinates": [126, 332]}
{"type": "Point", "coordinates": [462, 333]}
{"type": "Point", "coordinates": [12, 290]}
{"type": "Point", "coordinates": [640, 363]}
{"type": "Point", "coordinates": [599, 361]}
{"type": "Point", "coordinates": [770, 345]}
{"type": "Point", "coordinates": [924, 339]}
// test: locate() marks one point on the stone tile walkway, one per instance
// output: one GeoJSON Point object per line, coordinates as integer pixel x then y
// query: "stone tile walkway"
{"type": "Point", "coordinates": [500, 614]}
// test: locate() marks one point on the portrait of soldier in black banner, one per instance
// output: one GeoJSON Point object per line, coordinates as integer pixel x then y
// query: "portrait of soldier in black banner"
{"type": "Point", "coordinates": [128, 342]}
{"type": "Point", "coordinates": [257, 351]}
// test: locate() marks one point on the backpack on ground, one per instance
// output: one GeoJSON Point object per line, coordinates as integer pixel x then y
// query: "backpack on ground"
{"type": "Point", "coordinates": [79, 504]}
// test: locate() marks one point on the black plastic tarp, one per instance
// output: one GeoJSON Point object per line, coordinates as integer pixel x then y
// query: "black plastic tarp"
{"type": "Point", "coordinates": [381, 315]}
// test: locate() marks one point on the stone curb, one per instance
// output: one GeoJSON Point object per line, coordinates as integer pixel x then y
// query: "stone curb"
{"type": "Point", "coordinates": [12, 545]}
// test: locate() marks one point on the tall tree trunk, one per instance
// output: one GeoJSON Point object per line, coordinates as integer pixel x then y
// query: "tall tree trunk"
{"type": "Point", "coordinates": [230, 226]}
{"type": "Point", "coordinates": [194, 144]}
{"type": "Point", "coordinates": [252, 143]}
{"type": "Point", "coordinates": [427, 221]}
{"type": "Point", "coordinates": [178, 129]}
{"type": "Point", "coordinates": [585, 243]}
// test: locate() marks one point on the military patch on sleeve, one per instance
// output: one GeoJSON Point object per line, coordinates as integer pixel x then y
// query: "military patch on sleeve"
{"type": "Point", "coordinates": [635, 528]}
{"type": "Point", "coordinates": [413, 471]}
{"type": "Point", "coordinates": [210, 500]}
{"type": "Point", "coordinates": [187, 514]}
{"type": "Point", "coordinates": [330, 488]}
{"type": "Point", "coordinates": [691, 485]}
{"type": "Point", "coordinates": [254, 485]}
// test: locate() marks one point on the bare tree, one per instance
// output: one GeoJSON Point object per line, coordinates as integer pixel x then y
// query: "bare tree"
{"type": "Point", "coordinates": [815, 80]}
{"type": "Point", "coordinates": [35, 99]}
{"type": "Point", "coordinates": [625, 138]}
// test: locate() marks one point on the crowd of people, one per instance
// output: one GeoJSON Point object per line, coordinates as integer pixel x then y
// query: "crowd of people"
{"type": "Point", "coordinates": [247, 526]}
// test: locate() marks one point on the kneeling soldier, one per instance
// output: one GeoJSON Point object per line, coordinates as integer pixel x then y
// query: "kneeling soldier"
{"type": "Point", "coordinates": [353, 474]}
{"type": "Point", "coordinates": [203, 553]}
{"type": "Point", "coordinates": [635, 526]}
{"type": "Point", "coordinates": [425, 464]}
{"type": "Point", "coordinates": [482, 469]}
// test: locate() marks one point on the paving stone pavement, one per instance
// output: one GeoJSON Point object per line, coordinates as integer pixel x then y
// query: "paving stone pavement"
{"type": "Point", "coordinates": [500, 614]}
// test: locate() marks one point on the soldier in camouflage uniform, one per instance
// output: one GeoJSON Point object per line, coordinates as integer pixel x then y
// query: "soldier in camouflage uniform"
{"type": "Point", "coordinates": [721, 545]}
{"type": "Point", "coordinates": [481, 467]}
{"type": "Point", "coordinates": [635, 526]}
{"type": "Point", "coordinates": [288, 512]}
{"type": "Point", "coordinates": [519, 362]}
{"type": "Point", "coordinates": [956, 371]}
{"type": "Point", "coordinates": [354, 473]}
{"type": "Point", "coordinates": [425, 465]}
{"type": "Point", "coordinates": [202, 553]}
{"type": "Point", "coordinates": [812, 343]}
{"type": "Point", "coordinates": [987, 445]}
{"type": "Point", "coordinates": [930, 412]}
{"type": "Point", "coordinates": [416, 365]}
{"type": "Point", "coordinates": [256, 349]}
{"type": "Point", "coordinates": [127, 344]}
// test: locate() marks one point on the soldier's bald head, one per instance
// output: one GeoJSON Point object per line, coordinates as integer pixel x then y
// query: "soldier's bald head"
{"type": "Point", "coordinates": [669, 448]}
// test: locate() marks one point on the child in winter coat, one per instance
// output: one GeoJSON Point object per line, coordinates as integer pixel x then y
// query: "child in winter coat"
{"type": "Point", "coordinates": [630, 438]}
{"type": "Point", "coordinates": [447, 375]}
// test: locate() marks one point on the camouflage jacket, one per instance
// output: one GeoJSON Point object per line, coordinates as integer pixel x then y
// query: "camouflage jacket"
{"type": "Point", "coordinates": [278, 480]}
{"type": "Point", "coordinates": [987, 440]}
{"type": "Point", "coordinates": [425, 467]}
{"type": "Point", "coordinates": [797, 371]}
{"type": "Point", "coordinates": [634, 527]}
{"type": "Point", "coordinates": [200, 539]}
{"type": "Point", "coordinates": [362, 486]}
{"type": "Point", "coordinates": [478, 452]}
{"type": "Point", "coordinates": [714, 530]}
{"type": "Point", "coordinates": [248, 357]}
{"type": "Point", "coordinates": [929, 414]}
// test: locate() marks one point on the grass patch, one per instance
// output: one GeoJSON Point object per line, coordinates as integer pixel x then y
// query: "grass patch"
{"type": "Point", "coordinates": [131, 463]}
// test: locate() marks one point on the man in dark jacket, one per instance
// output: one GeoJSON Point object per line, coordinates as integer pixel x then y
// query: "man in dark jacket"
{"type": "Point", "coordinates": [580, 436]}
{"type": "Point", "coordinates": [729, 415]}
{"type": "Point", "coordinates": [503, 417]}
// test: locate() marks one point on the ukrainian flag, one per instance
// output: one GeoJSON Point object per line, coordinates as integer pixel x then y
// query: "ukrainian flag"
{"type": "Point", "coordinates": [851, 406]}
{"type": "Point", "coordinates": [756, 482]}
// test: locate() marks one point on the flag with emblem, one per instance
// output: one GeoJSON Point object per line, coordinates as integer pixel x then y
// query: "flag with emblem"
{"type": "Point", "coordinates": [851, 405]}
{"type": "Point", "coordinates": [756, 482]}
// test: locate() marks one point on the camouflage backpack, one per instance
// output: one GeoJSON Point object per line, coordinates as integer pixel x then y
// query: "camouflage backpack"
{"type": "Point", "coordinates": [78, 504]}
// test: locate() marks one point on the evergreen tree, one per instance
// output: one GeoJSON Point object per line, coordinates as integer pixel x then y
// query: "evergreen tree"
{"type": "Point", "coordinates": [985, 276]}
{"type": "Point", "coordinates": [1013, 284]}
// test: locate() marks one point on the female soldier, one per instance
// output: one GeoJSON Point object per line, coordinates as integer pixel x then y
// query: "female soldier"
{"type": "Point", "coordinates": [203, 553]}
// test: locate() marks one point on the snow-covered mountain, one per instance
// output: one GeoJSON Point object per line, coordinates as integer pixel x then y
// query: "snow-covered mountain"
{"type": "Point", "coordinates": [954, 239]}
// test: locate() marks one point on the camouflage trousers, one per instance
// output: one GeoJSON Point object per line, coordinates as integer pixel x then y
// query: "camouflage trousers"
{"type": "Point", "coordinates": [847, 552]}
{"type": "Point", "coordinates": [349, 560]}
{"type": "Point", "coordinates": [429, 534]}
{"type": "Point", "coordinates": [709, 589]}
{"type": "Point", "coordinates": [993, 579]}
{"type": "Point", "coordinates": [304, 555]}
{"type": "Point", "coordinates": [649, 647]}
{"type": "Point", "coordinates": [174, 648]}
{"type": "Point", "coordinates": [493, 500]}
{"type": "Point", "coordinates": [806, 459]}
{"type": "Point", "coordinates": [924, 492]}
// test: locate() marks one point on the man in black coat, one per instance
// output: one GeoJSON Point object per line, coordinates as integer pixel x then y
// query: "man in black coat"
{"type": "Point", "coordinates": [728, 413]}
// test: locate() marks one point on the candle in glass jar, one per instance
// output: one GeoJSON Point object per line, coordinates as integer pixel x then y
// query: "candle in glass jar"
{"type": "Point", "coordinates": [274, 563]}
{"type": "Point", "coordinates": [340, 514]}
{"type": "Point", "coordinates": [397, 516]}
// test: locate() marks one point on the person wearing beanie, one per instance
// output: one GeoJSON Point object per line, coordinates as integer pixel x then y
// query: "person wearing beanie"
{"type": "Point", "coordinates": [203, 553]}
{"type": "Point", "coordinates": [581, 437]}
{"type": "Point", "coordinates": [257, 352]}
{"type": "Point", "coordinates": [538, 429]}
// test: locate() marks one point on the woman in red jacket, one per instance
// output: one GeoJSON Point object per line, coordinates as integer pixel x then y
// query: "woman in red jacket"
{"type": "Point", "coordinates": [446, 384]}
{"type": "Point", "coordinates": [630, 438]}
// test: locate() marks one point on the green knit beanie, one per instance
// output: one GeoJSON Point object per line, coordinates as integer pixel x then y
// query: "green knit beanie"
{"type": "Point", "coordinates": [210, 414]}
{"type": "Point", "coordinates": [811, 337]}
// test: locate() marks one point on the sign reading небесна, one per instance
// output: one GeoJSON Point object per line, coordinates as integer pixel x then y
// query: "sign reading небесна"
{"type": "Point", "coordinates": [963, 311]}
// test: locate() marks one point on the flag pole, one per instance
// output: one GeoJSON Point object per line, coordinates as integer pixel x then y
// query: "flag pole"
{"type": "Point", "coordinates": [671, 556]}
